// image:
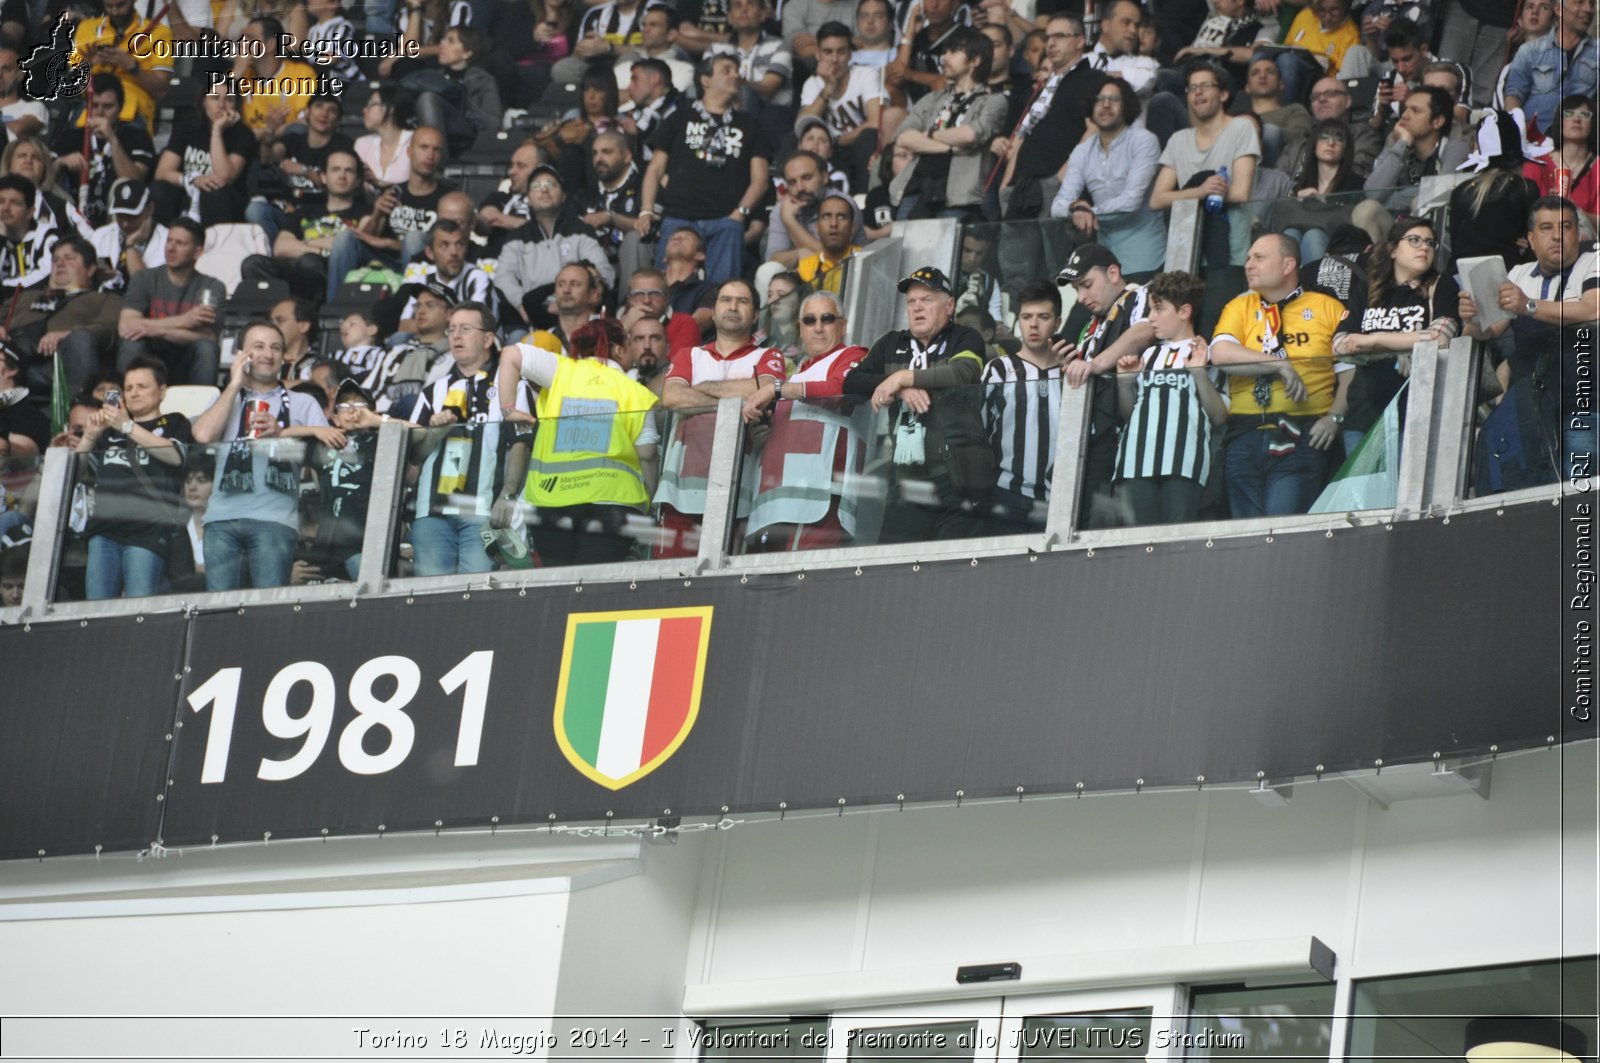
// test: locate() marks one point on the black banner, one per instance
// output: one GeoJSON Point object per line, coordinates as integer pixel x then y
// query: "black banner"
{"type": "Point", "coordinates": [1307, 653]}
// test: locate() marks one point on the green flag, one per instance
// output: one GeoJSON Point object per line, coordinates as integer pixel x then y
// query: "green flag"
{"type": "Point", "coordinates": [1370, 477]}
{"type": "Point", "coordinates": [60, 401]}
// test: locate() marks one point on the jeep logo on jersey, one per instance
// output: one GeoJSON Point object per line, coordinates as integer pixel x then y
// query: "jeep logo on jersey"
{"type": "Point", "coordinates": [629, 690]}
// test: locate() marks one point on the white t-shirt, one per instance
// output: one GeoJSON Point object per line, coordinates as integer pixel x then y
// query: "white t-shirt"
{"type": "Point", "coordinates": [850, 110]}
{"type": "Point", "coordinates": [25, 109]}
{"type": "Point", "coordinates": [196, 13]}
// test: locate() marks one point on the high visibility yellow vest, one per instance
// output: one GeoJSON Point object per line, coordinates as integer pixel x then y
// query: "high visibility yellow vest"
{"type": "Point", "coordinates": [583, 450]}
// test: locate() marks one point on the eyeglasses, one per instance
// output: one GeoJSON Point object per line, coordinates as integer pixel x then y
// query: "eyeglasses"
{"type": "Point", "coordinates": [351, 407]}
{"type": "Point", "coordinates": [543, 186]}
{"type": "Point", "coordinates": [1211, 86]}
{"type": "Point", "coordinates": [1421, 241]}
{"type": "Point", "coordinates": [1108, 99]}
{"type": "Point", "coordinates": [645, 293]}
{"type": "Point", "coordinates": [1573, 112]}
{"type": "Point", "coordinates": [1329, 94]}
{"type": "Point", "coordinates": [462, 330]}
{"type": "Point", "coordinates": [812, 319]}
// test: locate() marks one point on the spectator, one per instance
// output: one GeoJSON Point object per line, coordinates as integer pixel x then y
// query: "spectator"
{"type": "Point", "coordinates": [1228, 36]}
{"type": "Point", "coordinates": [25, 240]}
{"type": "Point", "coordinates": [815, 137]}
{"type": "Point", "coordinates": [1116, 53]}
{"type": "Point", "coordinates": [1330, 101]}
{"type": "Point", "coordinates": [13, 576]}
{"type": "Point", "coordinates": [1319, 36]}
{"type": "Point", "coordinates": [606, 32]}
{"type": "Point", "coordinates": [70, 321]}
{"type": "Point", "coordinates": [385, 150]}
{"type": "Point", "coordinates": [1016, 88]}
{"type": "Point", "coordinates": [1328, 171]}
{"type": "Point", "coordinates": [104, 149]}
{"type": "Point", "coordinates": [874, 40]}
{"type": "Point", "coordinates": [459, 97]}
{"type": "Point", "coordinates": [171, 313]}
{"type": "Point", "coordinates": [804, 21]}
{"type": "Point", "coordinates": [1119, 325]}
{"type": "Point", "coordinates": [1565, 63]}
{"type": "Point", "coordinates": [1397, 76]}
{"type": "Point", "coordinates": [733, 365]}
{"type": "Point", "coordinates": [652, 95]}
{"type": "Point", "coordinates": [24, 431]}
{"type": "Point", "coordinates": [138, 478]}
{"type": "Point", "coordinates": [1534, 19]}
{"type": "Point", "coordinates": [702, 23]}
{"type": "Point", "coordinates": [1408, 301]}
{"type": "Point", "coordinates": [930, 370]}
{"type": "Point", "coordinates": [1285, 407]}
{"type": "Point", "coordinates": [1570, 170]}
{"type": "Point", "coordinates": [1487, 212]}
{"type": "Point", "coordinates": [1421, 146]}
{"type": "Point", "coordinates": [83, 408]}
{"type": "Point", "coordinates": [1035, 150]}
{"type": "Point", "coordinates": [294, 319]}
{"type": "Point", "coordinates": [649, 352]}
{"type": "Point", "coordinates": [359, 352]}
{"type": "Point", "coordinates": [576, 301]}
{"type": "Point", "coordinates": [792, 223]}
{"type": "Point", "coordinates": [715, 179]}
{"type": "Point", "coordinates": [142, 79]}
{"type": "Point", "coordinates": [658, 29]}
{"type": "Point", "coordinates": [23, 117]}
{"type": "Point", "coordinates": [233, 20]}
{"type": "Point", "coordinates": [301, 157]}
{"type": "Point", "coordinates": [186, 565]}
{"type": "Point", "coordinates": [977, 284]}
{"type": "Point", "coordinates": [1022, 410]}
{"type": "Point", "coordinates": [301, 253]}
{"type": "Point", "coordinates": [471, 453]}
{"type": "Point", "coordinates": [419, 357]}
{"type": "Point", "coordinates": [610, 204]}
{"type": "Point", "coordinates": [344, 488]}
{"type": "Point", "coordinates": [506, 210]}
{"type": "Point", "coordinates": [805, 495]}
{"type": "Point", "coordinates": [836, 226]}
{"type": "Point", "coordinates": [1560, 288]}
{"type": "Point", "coordinates": [329, 41]}
{"type": "Point", "coordinates": [766, 66]}
{"type": "Point", "coordinates": [778, 324]}
{"type": "Point", "coordinates": [845, 96]}
{"type": "Point", "coordinates": [252, 521]}
{"type": "Point", "coordinates": [688, 290]}
{"type": "Point", "coordinates": [445, 264]}
{"type": "Point", "coordinates": [30, 157]}
{"type": "Point", "coordinates": [599, 468]}
{"type": "Point", "coordinates": [131, 240]}
{"type": "Point", "coordinates": [917, 69]}
{"type": "Point", "coordinates": [526, 37]}
{"type": "Point", "coordinates": [1108, 180]}
{"type": "Point", "coordinates": [1190, 171]}
{"type": "Point", "coordinates": [202, 171]}
{"type": "Point", "coordinates": [950, 131]}
{"type": "Point", "coordinates": [265, 63]}
{"type": "Point", "coordinates": [553, 238]}
{"type": "Point", "coordinates": [1474, 34]}
{"type": "Point", "coordinates": [1342, 272]}
{"type": "Point", "coordinates": [1452, 77]}
{"type": "Point", "coordinates": [1281, 121]}
{"type": "Point", "coordinates": [646, 297]}
{"type": "Point", "coordinates": [1171, 406]}
{"type": "Point", "coordinates": [402, 215]}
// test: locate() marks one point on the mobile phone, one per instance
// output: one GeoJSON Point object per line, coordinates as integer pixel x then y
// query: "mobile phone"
{"type": "Point", "coordinates": [113, 399]}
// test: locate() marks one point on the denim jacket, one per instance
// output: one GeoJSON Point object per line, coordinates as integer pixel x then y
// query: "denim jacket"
{"type": "Point", "coordinates": [1540, 75]}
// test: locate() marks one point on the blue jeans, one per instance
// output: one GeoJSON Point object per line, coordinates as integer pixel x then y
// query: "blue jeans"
{"type": "Point", "coordinates": [1313, 242]}
{"type": "Point", "coordinates": [724, 240]}
{"type": "Point", "coordinates": [116, 569]}
{"type": "Point", "coordinates": [265, 546]}
{"type": "Point", "coordinates": [448, 545]}
{"type": "Point", "coordinates": [272, 219]}
{"type": "Point", "coordinates": [1263, 486]}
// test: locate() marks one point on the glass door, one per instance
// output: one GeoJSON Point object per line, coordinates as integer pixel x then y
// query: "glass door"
{"type": "Point", "coordinates": [956, 1030]}
{"type": "Point", "coordinates": [1091, 1027]}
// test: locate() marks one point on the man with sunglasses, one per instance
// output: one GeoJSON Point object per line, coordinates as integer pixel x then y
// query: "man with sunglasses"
{"type": "Point", "coordinates": [803, 499]}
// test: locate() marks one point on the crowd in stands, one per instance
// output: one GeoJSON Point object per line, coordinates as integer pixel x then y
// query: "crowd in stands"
{"type": "Point", "coordinates": [678, 192]}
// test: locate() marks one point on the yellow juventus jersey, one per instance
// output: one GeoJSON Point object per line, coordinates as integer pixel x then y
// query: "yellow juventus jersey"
{"type": "Point", "coordinates": [1306, 333]}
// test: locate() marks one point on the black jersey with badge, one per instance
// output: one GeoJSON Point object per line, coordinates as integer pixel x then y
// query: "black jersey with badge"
{"type": "Point", "coordinates": [417, 213]}
{"type": "Point", "coordinates": [136, 494]}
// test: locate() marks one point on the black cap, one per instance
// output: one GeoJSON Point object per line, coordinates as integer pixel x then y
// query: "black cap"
{"type": "Point", "coordinates": [928, 277]}
{"type": "Point", "coordinates": [129, 196]}
{"type": "Point", "coordinates": [545, 167]}
{"type": "Point", "coordinates": [432, 287]}
{"type": "Point", "coordinates": [348, 388]}
{"type": "Point", "coordinates": [1085, 258]}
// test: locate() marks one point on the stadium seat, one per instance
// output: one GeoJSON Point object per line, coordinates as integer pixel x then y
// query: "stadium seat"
{"type": "Point", "coordinates": [227, 246]}
{"type": "Point", "coordinates": [191, 400]}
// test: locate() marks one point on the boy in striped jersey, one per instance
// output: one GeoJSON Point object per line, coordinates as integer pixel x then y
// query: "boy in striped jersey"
{"type": "Point", "coordinates": [1170, 405]}
{"type": "Point", "coordinates": [1021, 408]}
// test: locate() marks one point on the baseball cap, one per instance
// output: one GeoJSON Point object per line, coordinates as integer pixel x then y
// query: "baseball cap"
{"type": "Point", "coordinates": [1085, 258]}
{"type": "Point", "coordinates": [349, 389]}
{"type": "Point", "coordinates": [928, 277]}
{"type": "Point", "coordinates": [809, 121]}
{"type": "Point", "coordinates": [129, 196]}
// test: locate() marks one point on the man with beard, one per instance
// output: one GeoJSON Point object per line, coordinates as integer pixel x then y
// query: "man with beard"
{"type": "Point", "coordinates": [791, 226]}
{"type": "Point", "coordinates": [836, 226]}
{"type": "Point", "coordinates": [930, 371]}
{"type": "Point", "coordinates": [802, 501]}
{"type": "Point", "coordinates": [1108, 180]}
{"type": "Point", "coordinates": [649, 351]}
{"type": "Point", "coordinates": [731, 365]}
{"type": "Point", "coordinates": [610, 205]}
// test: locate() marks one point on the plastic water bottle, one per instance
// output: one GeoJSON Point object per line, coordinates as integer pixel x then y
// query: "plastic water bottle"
{"type": "Point", "coordinates": [1213, 203]}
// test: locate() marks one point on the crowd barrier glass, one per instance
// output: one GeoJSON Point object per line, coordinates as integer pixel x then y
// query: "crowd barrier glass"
{"type": "Point", "coordinates": [517, 494]}
{"type": "Point", "coordinates": [1534, 407]}
{"type": "Point", "coordinates": [19, 504]}
{"type": "Point", "coordinates": [187, 519]}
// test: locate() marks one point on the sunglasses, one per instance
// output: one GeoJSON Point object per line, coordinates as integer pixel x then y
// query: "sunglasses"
{"type": "Point", "coordinates": [812, 319]}
{"type": "Point", "coordinates": [348, 407]}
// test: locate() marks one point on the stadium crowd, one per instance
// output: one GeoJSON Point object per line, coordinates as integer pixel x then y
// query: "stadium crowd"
{"type": "Point", "coordinates": [543, 233]}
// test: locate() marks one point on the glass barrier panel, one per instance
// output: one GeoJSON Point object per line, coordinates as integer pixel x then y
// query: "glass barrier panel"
{"type": "Point", "coordinates": [19, 504]}
{"type": "Point", "coordinates": [193, 518]}
{"type": "Point", "coordinates": [520, 494]}
{"type": "Point", "coordinates": [1534, 409]}
{"type": "Point", "coordinates": [1270, 1024]}
{"type": "Point", "coordinates": [829, 470]}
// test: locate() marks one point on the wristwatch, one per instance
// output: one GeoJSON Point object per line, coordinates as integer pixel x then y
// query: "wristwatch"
{"type": "Point", "coordinates": [777, 390]}
{"type": "Point", "coordinates": [126, 426]}
{"type": "Point", "coordinates": [744, 212]}
{"type": "Point", "coordinates": [1338, 418]}
{"type": "Point", "coordinates": [1530, 306]}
